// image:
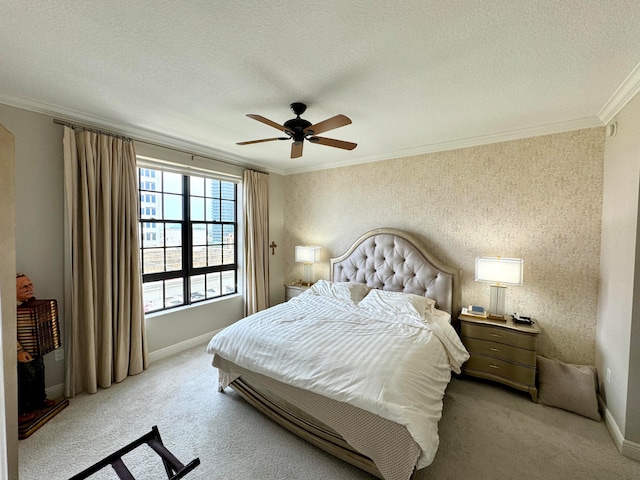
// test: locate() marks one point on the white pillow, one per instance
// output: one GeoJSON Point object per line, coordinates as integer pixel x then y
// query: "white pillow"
{"type": "Point", "coordinates": [350, 292]}
{"type": "Point", "coordinates": [398, 303]}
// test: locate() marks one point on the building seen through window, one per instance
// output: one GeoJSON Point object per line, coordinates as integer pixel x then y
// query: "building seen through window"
{"type": "Point", "coordinates": [188, 242]}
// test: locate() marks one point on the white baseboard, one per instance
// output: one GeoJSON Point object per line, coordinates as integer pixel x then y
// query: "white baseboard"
{"type": "Point", "coordinates": [625, 447]}
{"type": "Point", "coordinates": [631, 450]}
{"type": "Point", "coordinates": [57, 391]}
{"type": "Point", "coordinates": [181, 347]}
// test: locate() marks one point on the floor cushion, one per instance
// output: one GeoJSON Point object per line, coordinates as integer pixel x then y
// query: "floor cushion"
{"type": "Point", "coordinates": [567, 386]}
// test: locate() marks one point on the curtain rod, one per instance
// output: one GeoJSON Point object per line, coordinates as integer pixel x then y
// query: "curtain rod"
{"type": "Point", "coordinates": [90, 129]}
{"type": "Point", "coordinates": [130, 139]}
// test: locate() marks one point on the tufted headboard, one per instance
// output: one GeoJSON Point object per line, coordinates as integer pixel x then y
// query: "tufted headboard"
{"type": "Point", "coordinates": [391, 259]}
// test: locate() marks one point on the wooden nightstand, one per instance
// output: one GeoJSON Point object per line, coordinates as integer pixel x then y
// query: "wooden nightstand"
{"type": "Point", "coordinates": [293, 290]}
{"type": "Point", "coordinates": [502, 351]}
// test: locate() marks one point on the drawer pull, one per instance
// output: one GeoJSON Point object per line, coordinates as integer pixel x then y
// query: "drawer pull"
{"type": "Point", "coordinates": [494, 366]}
{"type": "Point", "coordinates": [495, 349]}
{"type": "Point", "coordinates": [496, 335]}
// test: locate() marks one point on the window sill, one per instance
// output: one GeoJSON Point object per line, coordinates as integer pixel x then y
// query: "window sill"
{"type": "Point", "coordinates": [182, 308]}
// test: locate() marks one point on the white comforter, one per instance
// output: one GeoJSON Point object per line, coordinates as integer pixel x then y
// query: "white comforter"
{"type": "Point", "coordinates": [395, 367]}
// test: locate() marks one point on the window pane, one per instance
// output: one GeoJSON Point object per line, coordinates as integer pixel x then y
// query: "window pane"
{"type": "Point", "coordinates": [228, 282]}
{"type": "Point", "coordinates": [152, 295]}
{"type": "Point", "coordinates": [228, 211]}
{"type": "Point", "coordinates": [173, 235]}
{"type": "Point", "coordinates": [197, 186]}
{"type": "Point", "coordinates": [174, 259]}
{"type": "Point", "coordinates": [228, 255]}
{"type": "Point", "coordinates": [215, 234]}
{"type": "Point", "coordinates": [199, 234]}
{"type": "Point", "coordinates": [172, 182]}
{"type": "Point", "coordinates": [213, 285]}
{"type": "Point", "coordinates": [197, 288]}
{"type": "Point", "coordinates": [199, 256]}
{"type": "Point", "coordinates": [151, 237]}
{"type": "Point", "coordinates": [172, 207]}
{"type": "Point", "coordinates": [147, 179]}
{"type": "Point", "coordinates": [197, 208]}
{"type": "Point", "coordinates": [145, 212]}
{"type": "Point", "coordinates": [173, 292]}
{"type": "Point", "coordinates": [228, 190]}
{"type": "Point", "coordinates": [229, 234]}
{"type": "Point", "coordinates": [153, 260]}
{"type": "Point", "coordinates": [212, 210]}
{"type": "Point", "coordinates": [216, 215]}
{"type": "Point", "coordinates": [213, 188]}
{"type": "Point", "coordinates": [214, 256]}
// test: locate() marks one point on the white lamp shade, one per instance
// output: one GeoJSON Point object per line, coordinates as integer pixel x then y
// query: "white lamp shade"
{"type": "Point", "coordinates": [307, 254]}
{"type": "Point", "coordinates": [498, 270]}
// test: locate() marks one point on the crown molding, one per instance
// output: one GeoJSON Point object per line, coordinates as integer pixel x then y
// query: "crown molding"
{"type": "Point", "coordinates": [548, 129]}
{"type": "Point", "coordinates": [621, 96]}
{"type": "Point", "coordinates": [139, 134]}
{"type": "Point", "coordinates": [162, 140]}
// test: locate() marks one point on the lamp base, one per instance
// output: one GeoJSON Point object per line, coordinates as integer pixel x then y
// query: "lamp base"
{"type": "Point", "coordinates": [307, 273]}
{"type": "Point", "coordinates": [496, 300]}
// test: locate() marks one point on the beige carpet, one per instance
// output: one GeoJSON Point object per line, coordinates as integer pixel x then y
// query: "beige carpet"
{"type": "Point", "coordinates": [487, 432]}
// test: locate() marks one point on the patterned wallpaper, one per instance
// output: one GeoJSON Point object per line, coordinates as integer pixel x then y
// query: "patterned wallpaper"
{"type": "Point", "coordinates": [539, 199]}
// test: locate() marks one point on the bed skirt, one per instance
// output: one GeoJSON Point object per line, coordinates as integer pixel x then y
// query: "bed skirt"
{"type": "Point", "coordinates": [372, 443]}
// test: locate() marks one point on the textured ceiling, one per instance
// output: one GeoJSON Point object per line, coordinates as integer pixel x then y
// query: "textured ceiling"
{"type": "Point", "coordinates": [413, 76]}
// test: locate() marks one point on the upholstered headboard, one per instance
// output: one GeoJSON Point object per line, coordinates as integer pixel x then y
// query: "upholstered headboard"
{"type": "Point", "coordinates": [390, 259]}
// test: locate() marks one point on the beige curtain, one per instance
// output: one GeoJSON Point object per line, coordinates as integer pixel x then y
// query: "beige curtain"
{"type": "Point", "coordinates": [255, 198]}
{"type": "Point", "coordinates": [105, 333]}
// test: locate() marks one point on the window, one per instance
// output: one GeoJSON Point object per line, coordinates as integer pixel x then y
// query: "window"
{"type": "Point", "coordinates": [187, 231]}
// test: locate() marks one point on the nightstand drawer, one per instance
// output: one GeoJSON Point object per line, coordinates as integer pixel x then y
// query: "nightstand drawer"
{"type": "Point", "coordinates": [501, 351]}
{"type": "Point", "coordinates": [501, 335]}
{"type": "Point", "coordinates": [501, 368]}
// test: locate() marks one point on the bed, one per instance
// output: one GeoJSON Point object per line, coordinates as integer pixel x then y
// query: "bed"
{"type": "Point", "coordinates": [357, 365]}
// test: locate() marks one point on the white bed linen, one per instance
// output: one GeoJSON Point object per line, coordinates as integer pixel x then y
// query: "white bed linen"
{"type": "Point", "coordinates": [395, 367]}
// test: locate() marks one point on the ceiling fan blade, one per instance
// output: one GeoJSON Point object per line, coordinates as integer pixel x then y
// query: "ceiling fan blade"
{"type": "Point", "coordinates": [328, 124]}
{"type": "Point", "coordinates": [296, 149]}
{"type": "Point", "coordinates": [263, 140]}
{"type": "Point", "coordinates": [266, 121]}
{"type": "Point", "coordinates": [330, 142]}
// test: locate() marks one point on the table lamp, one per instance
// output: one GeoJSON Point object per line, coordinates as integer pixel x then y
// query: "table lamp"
{"type": "Point", "coordinates": [307, 255]}
{"type": "Point", "coordinates": [498, 272]}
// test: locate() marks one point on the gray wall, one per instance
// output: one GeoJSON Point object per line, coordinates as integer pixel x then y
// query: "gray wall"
{"type": "Point", "coordinates": [618, 334]}
{"type": "Point", "coordinates": [39, 236]}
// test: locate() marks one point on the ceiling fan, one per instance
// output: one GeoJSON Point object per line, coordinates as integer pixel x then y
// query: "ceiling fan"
{"type": "Point", "coordinates": [299, 130]}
